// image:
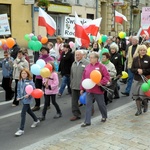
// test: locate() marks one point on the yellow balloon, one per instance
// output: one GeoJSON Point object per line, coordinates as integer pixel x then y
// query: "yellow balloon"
{"type": "Point", "coordinates": [124, 75]}
{"type": "Point", "coordinates": [100, 40]}
{"type": "Point", "coordinates": [45, 72]}
{"type": "Point", "coordinates": [148, 51]}
{"type": "Point", "coordinates": [121, 35]}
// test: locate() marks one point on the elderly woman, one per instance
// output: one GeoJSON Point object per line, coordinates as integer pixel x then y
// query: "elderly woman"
{"type": "Point", "coordinates": [112, 72]}
{"type": "Point", "coordinates": [115, 58]}
{"type": "Point", "coordinates": [140, 68]}
{"type": "Point", "coordinates": [95, 92]}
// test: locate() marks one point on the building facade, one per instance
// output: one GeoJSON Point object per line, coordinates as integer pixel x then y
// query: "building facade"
{"type": "Point", "coordinates": [20, 18]}
{"type": "Point", "coordinates": [23, 18]}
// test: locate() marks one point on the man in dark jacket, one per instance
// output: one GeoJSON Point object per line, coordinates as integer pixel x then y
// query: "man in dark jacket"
{"type": "Point", "coordinates": [67, 58]}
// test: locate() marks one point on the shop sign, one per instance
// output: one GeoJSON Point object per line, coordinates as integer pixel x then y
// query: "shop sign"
{"type": "Point", "coordinates": [60, 8]}
{"type": "Point", "coordinates": [29, 1]}
{"type": "Point", "coordinates": [4, 25]}
{"type": "Point", "coordinates": [69, 26]}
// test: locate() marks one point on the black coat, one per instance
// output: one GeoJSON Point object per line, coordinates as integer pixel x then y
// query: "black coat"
{"type": "Point", "coordinates": [116, 60]}
{"type": "Point", "coordinates": [66, 63]}
{"type": "Point", "coordinates": [141, 63]}
{"type": "Point", "coordinates": [14, 51]}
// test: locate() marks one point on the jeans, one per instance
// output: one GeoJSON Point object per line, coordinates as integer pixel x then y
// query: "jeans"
{"type": "Point", "coordinates": [129, 81]}
{"type": "Point", "coordinates": [47, 101]}
{"type": "Point", "coordinates": [26, 108]}
{"type": "Point", "coordinates": [65, 81]}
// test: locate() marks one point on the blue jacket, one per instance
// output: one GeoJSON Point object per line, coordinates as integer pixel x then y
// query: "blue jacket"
{"type": "Point", "coordinates": [21, 91]}
{"type": "Point", "coordinates": [7, 67]}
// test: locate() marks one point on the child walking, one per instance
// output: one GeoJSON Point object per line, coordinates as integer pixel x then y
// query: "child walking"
{"type": "Point", "coordinates": [24, 80]}
{"type": "Point", "coordinates": [50, 90]}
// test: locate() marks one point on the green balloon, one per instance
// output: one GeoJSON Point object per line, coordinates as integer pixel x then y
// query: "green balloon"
{"type": "Point", "coordinates": [104, 50]}
{"type": "Point", "coordinates": [91, 38]}
{"type": "Point", "coordinates": [34, 38]}
{"type": "Point", "coordinates": [37, 46]}
{"type": "Point", "coordinates": [148, 82]}
{"type": "Point", "coordinates": [31, 44]}
{"type": "Point", "coordinates": [104, 38]}
{"type": "Point", "coordinates": [26, 37]}
{"type": "Point", "coordinates": [145, 87]}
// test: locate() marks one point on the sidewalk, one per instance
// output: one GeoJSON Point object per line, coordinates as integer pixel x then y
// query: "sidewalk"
{"type": "Point", "coordinates": [122, 131]}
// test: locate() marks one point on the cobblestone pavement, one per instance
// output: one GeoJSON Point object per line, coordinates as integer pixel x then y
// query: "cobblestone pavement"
{"type": "Point", "coordinates": [122, 131]}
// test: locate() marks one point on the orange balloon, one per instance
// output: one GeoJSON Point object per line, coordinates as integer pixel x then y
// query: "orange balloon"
{"type": "Point", "coordinates": [10, 42]}
{"type": "Point", "coordinates": [95, 76]}
{"type": "Point", "coordinates": [44, 40]}
{"type": "Point", "coordinates": [3, 41]}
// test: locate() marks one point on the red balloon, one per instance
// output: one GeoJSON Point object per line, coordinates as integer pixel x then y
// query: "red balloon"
{"type": "Point", "coordinates": [147, 93]}
{"type": "Point", "coordinates": [49, 66]}
{"type": "Point", "coordinates": [37, 93]}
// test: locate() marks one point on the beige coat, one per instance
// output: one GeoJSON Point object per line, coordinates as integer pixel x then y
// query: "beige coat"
{"type": "Point", "coordinates": [130, 58]}
{"type": "Point", "coordinates": [19, 64]}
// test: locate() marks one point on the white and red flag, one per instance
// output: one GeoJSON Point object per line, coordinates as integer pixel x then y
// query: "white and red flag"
{"type": "Point", "coordinates": [92, 27]}
{"type": "Point", "coordinates": [119, 18]}
{"type": "Point", "coordinates": [80, 32]}
{"type": "Point", "coordinates": [46, 21]}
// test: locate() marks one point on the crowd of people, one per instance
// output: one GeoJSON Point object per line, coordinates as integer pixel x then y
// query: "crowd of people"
{"type": "Point", "coordinates": [110, 59]}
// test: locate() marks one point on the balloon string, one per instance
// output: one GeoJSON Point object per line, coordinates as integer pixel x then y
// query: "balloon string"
{"type": "Point", "coordinates": [144, 78]}
{"type": "Point", "coordinates": [107, 89]}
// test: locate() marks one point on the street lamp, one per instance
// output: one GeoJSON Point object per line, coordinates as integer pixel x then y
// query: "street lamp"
{"type": "Point", "coordinates": [134, 3]}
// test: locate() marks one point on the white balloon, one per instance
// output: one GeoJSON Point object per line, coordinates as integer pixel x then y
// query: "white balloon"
{"type": "Point", "coordinates": [41, 63]}
{"type": "Point", "coordinates": [88, 84]}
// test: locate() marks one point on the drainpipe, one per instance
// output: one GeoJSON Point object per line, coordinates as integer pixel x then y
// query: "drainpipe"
{"type": "Point", "coordinates": [96, 8]}
{"type": "Point", "coordinates": [32, 15]}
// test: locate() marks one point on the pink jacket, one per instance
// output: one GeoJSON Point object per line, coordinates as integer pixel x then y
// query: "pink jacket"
{"type": "Point", "coordinates": [53, 83]}
{"type": "Point", "coordinates": [105, 77]}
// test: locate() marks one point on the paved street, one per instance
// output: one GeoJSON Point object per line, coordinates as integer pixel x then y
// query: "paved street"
{"type": "Point", "coordinates": [10, 120]}
{"type": "Point", "coordinates": [122, 131]}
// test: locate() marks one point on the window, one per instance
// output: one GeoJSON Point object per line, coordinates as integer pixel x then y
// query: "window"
{"type": "Point", "coordinates": [58, 20]}
{"type": "Point", "coordinates": [90, 16]}
{"type": "Point", "coordinates": [5, 9]}
{"type": "Point", "coordinates": [77, 1]}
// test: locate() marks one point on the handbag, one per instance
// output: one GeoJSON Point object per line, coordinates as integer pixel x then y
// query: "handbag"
{"type": "Point", "coordinates": [147, 76]}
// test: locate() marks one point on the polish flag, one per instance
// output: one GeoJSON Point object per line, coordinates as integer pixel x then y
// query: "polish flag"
{"type": "Point", "coordinates": [119, 18]}
{"type": "Point", "coordinates": [80, 32]}
{"type": "Point", "coordinates": [144, 30]}
{"type": "Point", "coordinates": [46, 21]}
{"type": "Point", "coordinates": [92, 27]}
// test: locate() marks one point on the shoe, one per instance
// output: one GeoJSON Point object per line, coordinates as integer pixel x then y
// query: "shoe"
{"type": "Point", "coordinates": [41, 118]}
{"type": "Point", "coordinates": [116, 97]}
{"type": "Point", "coordinates": [59, 94]}
{"type": "Point", "coordinates": [35, 124]}
{"type": "Point", "coordinates": [125, 93]}
{"type": "Point", "coordinates": [58, 115]}
{"type": "Point", "coordinates": [138, 113]}
{"type": "Point", "coordinates": [85, 125]}
{"type": "Point", "coordinates": [13, 105]}
{"type": "Point", "coordinates": [125, 82]}
{"type": "Point", "coordinates": [103, 120]}
{"type": "Point", "coordinates": [35, 108]}
{"type": "Point", "coordinates": [74, 118]}
{"type": "Point", "coordinates": [80, 105]}
{"type": "Point", "coordinates": [19, 133]}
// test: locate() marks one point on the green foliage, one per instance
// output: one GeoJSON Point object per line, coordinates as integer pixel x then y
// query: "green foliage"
{"type": "Point", "coordinates": [44, 3]}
